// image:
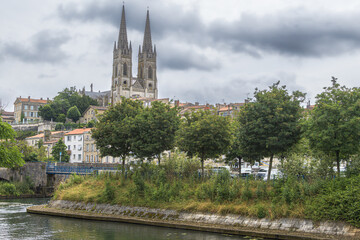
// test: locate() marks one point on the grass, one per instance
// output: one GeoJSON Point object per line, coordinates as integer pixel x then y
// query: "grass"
{"type": "Point", "coordinates": [16, 188]}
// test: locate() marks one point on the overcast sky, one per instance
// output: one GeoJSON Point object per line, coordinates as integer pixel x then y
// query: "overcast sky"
{"type": "Point", "coordinates": [208, 51]}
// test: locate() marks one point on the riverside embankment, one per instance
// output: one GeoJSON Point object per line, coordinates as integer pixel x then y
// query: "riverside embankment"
{"type": "Point", "coordinates": [229, 224]}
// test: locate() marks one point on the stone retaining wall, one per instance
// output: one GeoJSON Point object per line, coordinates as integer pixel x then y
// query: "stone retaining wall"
{"type": "Point", "coordinates": [294, 225]}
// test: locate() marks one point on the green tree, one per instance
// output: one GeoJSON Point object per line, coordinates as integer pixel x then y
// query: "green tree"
{"type": "Point", "coordinates": [60, 147]}
{"type": "Point", "coordinates": [61, 118]}
{"type": "Point", "coordinates": [46, 112]}
{"type": "Point", "coordinates": [270, 123]}
{"type": "Point", "coordinates": [205, 135]}
{"type": "Point", "coordinates": [333, 126]}
{"type": "Point", "coordinates": [113, 130]}
{"type": "Point", "coordinates": [10, 156]}
{"type": "Point", "coordinates": [154, 130]}
{"type": "Point", "coordinates": [73, 113]}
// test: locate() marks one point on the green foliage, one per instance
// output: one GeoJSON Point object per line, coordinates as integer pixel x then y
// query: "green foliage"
{"type": "Point", "coordinates": [59, 127]}
{"type": "Point", "coordinates": [10, 156]}
{"type": "Point", "coordinates": [154, 130]}
{"type": "Point", "coordinates": [113, 131]}
{"type": "Point", "coordinates": [333, 126]}
{"type": "Point", "coordinates": [109, 192]}
{"type": "Point", "coordinates": [90, 124]}
{"type": "Point", "coordinates": [16, 188]}
{"type": "Point", "coordinates": [205, 135]}
{"type": "Point", "coordinates": [73, 113]}
{"type": "Point", "coordinates": [21, 135]}
{"type": "Point", "coordinates": [60, 147]}
{"type": "Point", "coordinates": [179, 164]}
{"type": "Point", "coordinates": [58, 108]}
{"type": "Point", "coordinates": [270, 123]}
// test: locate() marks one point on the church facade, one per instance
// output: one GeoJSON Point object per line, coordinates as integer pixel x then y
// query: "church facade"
{"type": "Point", "coordinates": [144, 85]}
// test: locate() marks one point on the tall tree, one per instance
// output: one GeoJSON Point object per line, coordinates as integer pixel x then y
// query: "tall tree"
{"type": "Point", "coordinates": [205, 135]}
{"type": "Point", "coordinates": [113, 130]}
{"type": "Point", "coordinates": [10, 155]}
{"type": "Point", "coordinates": [74, 114]}
{"type": "Point", "coordinates": [333, 126]}
{"type": "Point", "coordinates": [154, 130]}
{"type": "Point", "coordinates": [60, 149]}
{"type": "Point", "coordinates": [270, 122]}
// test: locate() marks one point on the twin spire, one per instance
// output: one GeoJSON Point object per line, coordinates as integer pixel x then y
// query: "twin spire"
{"type": "Point", "coordinates": [123, 41]}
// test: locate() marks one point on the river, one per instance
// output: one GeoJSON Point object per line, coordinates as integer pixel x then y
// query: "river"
{"type": "Point", "coordinates": [15, 223]}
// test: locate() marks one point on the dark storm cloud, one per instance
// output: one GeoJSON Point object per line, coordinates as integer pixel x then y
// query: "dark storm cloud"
{"type": "Point", "coordinates": [182, 58]}
{"type": "Point", "coordinates": [296, 33]}
{"type": "Point", "coordinates": [43, 47]}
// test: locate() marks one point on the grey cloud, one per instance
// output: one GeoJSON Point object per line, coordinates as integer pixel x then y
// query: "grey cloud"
{"type": "Point", "coordinates": [296, 33]}
{"type": "Point", "coordinates": [43, 47]}
{"type": "Point", "coordinates": [292, 32]}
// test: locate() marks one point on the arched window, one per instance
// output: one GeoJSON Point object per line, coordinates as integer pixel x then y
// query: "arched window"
{"type": "Point", "coordinates": [150, 72]}
{"type": "Point", "coordinates": [125, 69]}
{"type": "Point", "coordinates": [150, 86]}
{"type": "Point", "coordinates": [124, 82]}
{"type": "Point", "coordinates": [141, 73]}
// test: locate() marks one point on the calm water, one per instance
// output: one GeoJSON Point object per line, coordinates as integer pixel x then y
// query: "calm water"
{"type": "Point", "coordinates": [15, 223]}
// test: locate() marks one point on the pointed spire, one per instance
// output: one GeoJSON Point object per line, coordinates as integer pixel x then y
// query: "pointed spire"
{"type": "Point", "coordinates": [122, 41]}
{"type": "Point", "coordinates": [147, 43]}
{"type": "Point", "coordinates": [130, 46]}
{"type": "Point", "coordinates": [155, 48]}
{"type": "Point", "coordinates": [139, 49]}
{"type": "Point", "coordinates": [114, 45]}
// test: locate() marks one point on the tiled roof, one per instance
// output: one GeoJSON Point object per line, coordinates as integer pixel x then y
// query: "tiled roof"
{"type": "Point", "coordinates": [41, 135]}
{"type": "Point", "coordinates": [78, 131]}
{"type": "Point", "coordinates": [224, 109]}
{"type": "Point", "coordinates": [32, 100]}
{"type": "Point", "coordinates": [5, 113]}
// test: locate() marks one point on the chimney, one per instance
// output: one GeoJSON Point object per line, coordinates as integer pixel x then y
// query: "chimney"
{"type": "Point", "coordinates": [177, 102]}
{"type": "Point", "coordinates": [41, 99]}
{"type": "Point", "coordinates": [196, 103]}
{"type": "Point", "coordinates": [29, 98]}
{"type": "Point", "coordinates": [47, 99]}
{"type": "Point", "coordinates": [91, 87]}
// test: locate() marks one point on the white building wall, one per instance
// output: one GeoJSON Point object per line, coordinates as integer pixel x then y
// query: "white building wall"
{"type": "Point", "coordinates": [75, 143]}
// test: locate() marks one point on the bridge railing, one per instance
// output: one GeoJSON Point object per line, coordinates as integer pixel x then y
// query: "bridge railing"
{"type": "Point", "coordinates": [79, 170]}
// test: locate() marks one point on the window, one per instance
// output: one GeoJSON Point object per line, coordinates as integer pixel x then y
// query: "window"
{"type": "Point", "coordinates": [115, 72]}
{"type": "Point", "coordinates": [69, 147]}
{"type": "Point", "coordinates": [87, 147]}
{"type": "Point", "coordinates": [79, 156]}
{"type": "Point", "coordinates": [125, 69]}
{"type": "Point", "coordinates": [141, 73]}
{"type": "Point", "coordinates": [150, 72]}
{"type": "Point", "coordinates": [92, 147]}
{"type": "Point", "coordinates": [150, 86]}
{"type": "Point", "coordinates": [80, 138]}
{"type": "Point", "coordinates": [97, 158]}
{"type": "Point", "coordinates": [25, 107]}
{"type": "Point", "coordinates": [31, 114]}
{"type": "Point", "coordinates": [25, 114]}
{"type": "Point", "coordinates": [87, 158]}
{"type": "Point", "coordinates": [124, 82]}
{"type": "Point", "coordinates": [74, 156]}
{"type": "Point", "coordinates": [69, 138]}
{"type": "Point", "coordinates": [74, 147]}
{"type": "Point", "coordinates": [92, 158]}
{"type": "Point", "coordinates": [79, 148]}
{"type": "Point", "coordinates": [31, 107]}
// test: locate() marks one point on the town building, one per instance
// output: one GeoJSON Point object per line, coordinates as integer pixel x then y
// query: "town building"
{"type": "Point", "coordinates": [74, 140]}
{"type": "Point", "coordinates": [26, 110]}
{"type": "Point", "coordinates": [7, 117]}
{"type": "Point", "coordinates": [92, 113]}
{"type": "Point", "coordinates": [123, 83]}
{"type": "Point", "coordinates": [49, 139]}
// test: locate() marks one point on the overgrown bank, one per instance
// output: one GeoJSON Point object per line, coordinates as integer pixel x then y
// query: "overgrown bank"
{"type": "Point", "coordinates": [16, 188]}
{"type": "Point", "coordinates": [166, 188]}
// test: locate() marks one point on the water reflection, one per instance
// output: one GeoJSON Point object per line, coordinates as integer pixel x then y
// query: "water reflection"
{"type": "Point", "coordinates": [15, 223]}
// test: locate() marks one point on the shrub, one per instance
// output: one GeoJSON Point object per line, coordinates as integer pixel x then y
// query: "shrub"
{"type": "Point", "coordinates": [109, 191]}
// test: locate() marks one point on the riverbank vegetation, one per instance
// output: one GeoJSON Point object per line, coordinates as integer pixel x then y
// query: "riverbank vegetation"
{"type": "Point", "coordinates": [16, 188]}
{"type": "Point", "coordinates": [308, 143]}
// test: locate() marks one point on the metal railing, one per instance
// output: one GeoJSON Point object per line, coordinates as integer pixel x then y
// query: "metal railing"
{"type": "Point", "coordinates": [79, 170]}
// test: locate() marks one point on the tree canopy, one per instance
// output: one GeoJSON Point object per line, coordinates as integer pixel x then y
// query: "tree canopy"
{"type": "Point", "coordinates": [10, 156]}
{"type": "Point", "coordinates": [60, 147]}
{"type": "Point", "coordinates": [333, 126]}
{"type": "Point", "coordinates": [154, 130]}
{"type": "Point", "coordinates": [113, 130]}
{"type": "Point", "coordinates": [74, 114]}
{"type": "Point", "coordinates": [270, 122]}
{"type": "Point", "coordinates": [205, 135]}
{"type": "Point", "coordinates": [57, 109]}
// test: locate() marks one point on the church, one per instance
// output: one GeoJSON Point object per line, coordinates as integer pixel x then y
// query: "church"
{"type": "Point", "coordinates": [144, 85]}
{"type": "Point", "coordinates": [123, 84]}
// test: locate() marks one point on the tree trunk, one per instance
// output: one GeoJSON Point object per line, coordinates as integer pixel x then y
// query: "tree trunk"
{"type": "Point", "coordinates": [338, 162]}
{"type": "Point", "coordinates": [123, 164]}
{"type": "Point", "coordinates": [202, 168]}
{"type": "Point", "coordinates": [239, 166]}
{"type": "Point", "coordinates": [159, 157]}
{"type": "Point", "coordinates": [270, 167]}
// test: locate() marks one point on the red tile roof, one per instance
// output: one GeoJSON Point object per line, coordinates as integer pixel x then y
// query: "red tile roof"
{"type": "Point", "coordinates": [78, 131]}
{"type": "Point", "coordinates": [33, 100]}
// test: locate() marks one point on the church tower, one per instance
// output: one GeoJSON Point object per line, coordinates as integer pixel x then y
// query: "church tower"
{"type": "Point", "coordinates": [122, 63]}
{"type": "Point", "coordinates": [147, 63]}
